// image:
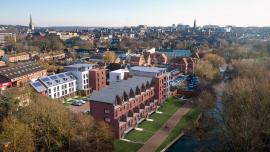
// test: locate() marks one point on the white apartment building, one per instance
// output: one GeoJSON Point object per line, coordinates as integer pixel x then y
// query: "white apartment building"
{"type": "Point", "coordinates": [117, 75]}
{"type": "Point", "coordinates": [81, 73]}
{"type": "Point", "coordinates": [56, 86]}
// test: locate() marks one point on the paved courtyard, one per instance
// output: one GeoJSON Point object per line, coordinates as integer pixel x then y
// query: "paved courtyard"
{"type": "Point", "coordinates": [80, 109]}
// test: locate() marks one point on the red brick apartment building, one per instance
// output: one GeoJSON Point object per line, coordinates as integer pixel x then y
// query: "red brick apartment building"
{"type": "Point", "coordinates": [160, 77]}
{"type": "Point", "coordinates": [124, 104]}
{"type": "Point", "coordinates": [21, 74]}
{"type": "Point", "coordinates": [185, 65]}
{"type": "Point", "coordinates": [97, 79]}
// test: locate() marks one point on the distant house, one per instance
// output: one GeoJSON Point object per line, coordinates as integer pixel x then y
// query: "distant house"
{"type": "Point", "coordinates": [177, 53]}
{"type": "Point", "coordinates": [137, 60]}
{"type": "Point", "coordinates": [159, 58]}
{"type": "Point", "coordinates": [16, 57]}
{"type": "Point", "coordinates": [49, 56]}
{"type": "Point", "coordinates": [185, 65]}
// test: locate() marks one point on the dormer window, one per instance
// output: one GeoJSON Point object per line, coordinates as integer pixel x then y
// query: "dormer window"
{"type": "Point", "coordinates": [138, 91]}
{"type": "Point", "coordinates": [125, 96]}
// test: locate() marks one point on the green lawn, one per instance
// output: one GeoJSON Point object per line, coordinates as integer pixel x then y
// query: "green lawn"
{"type": "Point", "coordinates": [122, 146]}
{"type": "Point", "coordinates": [140, 136]}
{"type": "Point", "coordinates": [168, 108]}
{"type": "Point", "coordinates": [159, 120]}
{"type": "Point", "coordinates": [190, 117]}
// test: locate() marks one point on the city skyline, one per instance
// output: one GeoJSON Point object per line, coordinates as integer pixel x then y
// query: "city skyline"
{"type": "Point", "coordinates": [131, 13]}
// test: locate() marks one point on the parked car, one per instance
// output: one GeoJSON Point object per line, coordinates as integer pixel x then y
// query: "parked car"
{"type": "Point", "coordinates": [82, 101]}
{"type": "Point", "coordinates": [75, 103]}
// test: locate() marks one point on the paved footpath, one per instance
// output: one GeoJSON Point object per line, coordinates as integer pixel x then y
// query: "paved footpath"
{"type": "Point", "coordinates": [158, 138]}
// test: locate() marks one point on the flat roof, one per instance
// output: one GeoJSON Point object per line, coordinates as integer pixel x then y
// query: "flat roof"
{"type": "Point", "coordinates": [120, 71]}
{"type": "Point", "coordinates": [80, 65]}
{"type": "Point", "coordinates": [147, 69]}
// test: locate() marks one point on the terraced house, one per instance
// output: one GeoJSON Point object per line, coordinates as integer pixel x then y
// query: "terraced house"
{"type": "Point", "coordinates": [124, 104]}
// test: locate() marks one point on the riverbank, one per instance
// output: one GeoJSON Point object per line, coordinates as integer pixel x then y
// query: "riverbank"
{"type": "Point", "coordinates": [188, 119]}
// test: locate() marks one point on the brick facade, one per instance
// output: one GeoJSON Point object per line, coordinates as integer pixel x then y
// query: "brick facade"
{"type": "Point", "coordinates": [97, 79]}
{"type": "Point", "coordinates": [127, 111]}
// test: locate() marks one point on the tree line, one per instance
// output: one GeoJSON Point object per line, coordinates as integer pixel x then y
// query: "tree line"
{"type": "Point", "coordinates": [46, 125]}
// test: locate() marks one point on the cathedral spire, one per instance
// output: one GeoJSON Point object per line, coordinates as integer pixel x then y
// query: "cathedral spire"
{"type": "Point", "coordinates": [195, 24]}
{"type": "Point", "coordinates": [31, 25]}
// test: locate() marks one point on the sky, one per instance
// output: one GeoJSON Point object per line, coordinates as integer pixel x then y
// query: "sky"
{"type": "Point", "coordinates": [115, 13]}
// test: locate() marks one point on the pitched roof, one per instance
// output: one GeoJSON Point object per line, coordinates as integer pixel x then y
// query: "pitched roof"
{"type": "Point", "coordinates": [108, 94]}
{"type": "Point", "coordinates": [20, 70]}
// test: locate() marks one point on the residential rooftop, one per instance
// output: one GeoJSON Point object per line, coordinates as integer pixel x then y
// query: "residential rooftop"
{"type": "Point", "coordinates": [80, 65]}
{"type": "Point", "coordinates": [108, 94]}
{"type": "Point", "coordinates": [21, 70]}
{"type": "Point", "coordinates": [57, 79]}
{"type": "Point", "coordinates": [148, 69]}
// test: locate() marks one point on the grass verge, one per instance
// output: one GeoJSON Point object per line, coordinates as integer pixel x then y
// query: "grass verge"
{"type": "Point", "coordinates": [190, 117]}
{"type": "Point", "coordinates": [123, 146]}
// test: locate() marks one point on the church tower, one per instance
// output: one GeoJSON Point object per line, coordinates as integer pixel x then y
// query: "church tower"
{"type": "Point", "coordinates": [31, 25]}
{"type": "Point", "coordinates": [195, 24]}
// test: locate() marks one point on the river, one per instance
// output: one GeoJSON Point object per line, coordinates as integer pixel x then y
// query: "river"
{"type": "Point", "coordinates": [189, 142]}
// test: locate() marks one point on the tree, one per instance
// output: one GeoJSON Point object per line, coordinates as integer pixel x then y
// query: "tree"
{"type": "Point", "coordinates": [7, 105]}
{"type": "Point", "coordinates": [50, 121]}
{"type": "Point", "coordinates": [18, 134]}
{"type": "Point", "coordinates": [109, 57]}
{"type": "Point", "coordinates": [56, 128]}
{"type": "Point", "coordinates": [91, 136]}
{"type": "Point", "coordinates": [206, 70]}
{"type": "Point", "coordinates": [245, 114]}
{"type": "Point", "coordinates": [214, 59]}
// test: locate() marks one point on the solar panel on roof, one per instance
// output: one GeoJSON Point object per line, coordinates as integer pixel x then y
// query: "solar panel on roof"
{"type": "Point", "coordinates": [61, 75]}
{"type": "Point", "coordinates": [37, 84]}
{"type": "Point", "coordinates": [53, 77]}
{"type": "Point", "coordinates": [46, 79]}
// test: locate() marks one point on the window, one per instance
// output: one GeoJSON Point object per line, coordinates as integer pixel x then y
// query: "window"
{"type": "Point", "coordinates": [107, 120]}
{"type": "Point", "coordinates": [117, 77]}
{"type": "Point", "coordinates": [106, 111]}
{"type": "Point", "coordinates": [50, 91]}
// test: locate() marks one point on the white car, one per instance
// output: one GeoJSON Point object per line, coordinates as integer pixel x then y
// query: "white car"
{"type": "Point", "coordinates": [82, 101]}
